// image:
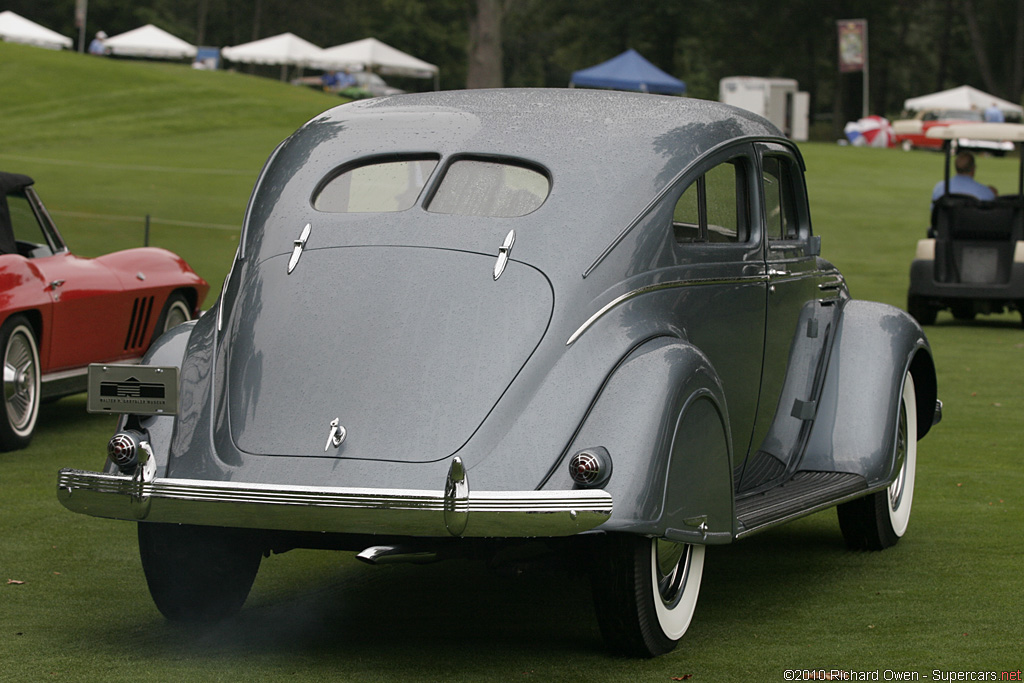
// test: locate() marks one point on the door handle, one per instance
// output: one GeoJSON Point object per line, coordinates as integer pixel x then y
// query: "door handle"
{"type": "Point", "coordinates": [56, 283]}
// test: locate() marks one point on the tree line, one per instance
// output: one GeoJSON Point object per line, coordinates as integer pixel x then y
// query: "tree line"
{"type": "Point", "coordinates": [915, 46]}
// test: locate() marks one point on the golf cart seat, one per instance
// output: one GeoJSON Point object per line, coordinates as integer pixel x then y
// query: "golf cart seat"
{"type": "Point", "coordinates": [975, 239]}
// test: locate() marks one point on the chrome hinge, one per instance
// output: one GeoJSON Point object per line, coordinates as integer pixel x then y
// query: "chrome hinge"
{"type": "Point", "coordinates": [504, 251]}
{"type": "Point", "coordinates": [299, 245]}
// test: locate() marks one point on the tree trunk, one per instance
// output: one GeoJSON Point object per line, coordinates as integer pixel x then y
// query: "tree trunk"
{"type": "Point", "coordinates": [978, 43]}
{"type": "Point", "coordinates": [1017, 74]}
{"type": "Point", "coordinates": [485, 53]}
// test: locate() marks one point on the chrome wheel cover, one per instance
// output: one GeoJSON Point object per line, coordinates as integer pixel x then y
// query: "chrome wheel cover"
{"type": "Point", "coordinates": [177, 314]}
{"type": "Point", "coordinates": [21, 381]}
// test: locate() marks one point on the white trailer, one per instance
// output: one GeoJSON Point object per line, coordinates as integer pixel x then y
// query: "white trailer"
{"type": "Point", "coordinates": [777, 99]}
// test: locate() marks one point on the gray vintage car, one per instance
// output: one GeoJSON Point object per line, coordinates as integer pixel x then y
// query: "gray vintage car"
{"type": "Point", "coordinates": [458, 322]}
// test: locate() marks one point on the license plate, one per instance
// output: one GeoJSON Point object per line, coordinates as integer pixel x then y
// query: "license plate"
{"type": "Point", "coordinates": [138, 389]}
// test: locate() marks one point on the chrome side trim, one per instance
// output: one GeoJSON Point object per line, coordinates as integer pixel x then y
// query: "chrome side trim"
{"type": "Point", "coordinates": [675, 284]}
{"type": "Point", "coordinates": [406, 512]}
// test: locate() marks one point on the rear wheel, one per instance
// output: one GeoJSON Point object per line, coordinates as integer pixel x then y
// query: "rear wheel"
{"type": "Point", "coordinates": [198, 573]}
{"type": "Point", "coordinates": [176, 311]}
{"type": "Point", "coordinates": [879, 520]}
{"type": "Point", "coordinates": [20, 383]}
{"type": "Point", "coordinates": [645, 592]}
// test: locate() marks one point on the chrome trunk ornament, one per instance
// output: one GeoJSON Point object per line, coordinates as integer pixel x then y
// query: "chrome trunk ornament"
{"type": "Point", "coordinates": [299, 246]}
{"type": "Point", "coordinates": [337, 434]}
{"type": "Point", "coordinates": [504, 252]}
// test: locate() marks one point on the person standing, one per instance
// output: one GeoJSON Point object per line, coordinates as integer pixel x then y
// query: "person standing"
{"type": "Point", "coordinates": [993, 114]}
{"type": "Point", "coordinates": [97, 46]}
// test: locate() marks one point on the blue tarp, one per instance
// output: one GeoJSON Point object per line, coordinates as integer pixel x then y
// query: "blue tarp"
{"type": "Point", "coordinates": [628, 71]}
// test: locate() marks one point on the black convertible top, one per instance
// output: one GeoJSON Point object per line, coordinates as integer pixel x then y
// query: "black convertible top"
{"type": "Point", "coordinates": [9, 183]}
{"type": "Point", "coordinates": [13, 182]}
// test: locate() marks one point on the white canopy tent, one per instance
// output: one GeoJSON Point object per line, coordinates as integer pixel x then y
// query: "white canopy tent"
{"type": "Point", "coordinates": [964, 97]}
{"type": "Point", "coordinates": [15, 28]}
{"type": "Point", "coordinates": [149, 41]}
{"type": "Point", "coordinates": [370, 54]}
{"type": "Point", "coordinates": [286, 49]}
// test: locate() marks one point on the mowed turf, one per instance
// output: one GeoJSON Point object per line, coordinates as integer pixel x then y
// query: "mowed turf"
{"type": "Point", "coordinates": [109, 142]}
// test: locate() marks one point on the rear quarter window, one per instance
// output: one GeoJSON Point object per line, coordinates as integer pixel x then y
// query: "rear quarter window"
{"type": "Point", "coordinates": [375, 187]}
{"type": "Point", "coordinates": [477, 187]}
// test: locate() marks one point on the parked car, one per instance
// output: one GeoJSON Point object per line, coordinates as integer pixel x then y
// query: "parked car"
{"type": "Point", "coordinates": [60, 312]}
{"type": "Point", "coordinates": [972, 261]}
{"type": "Point", "coordinates": [464, 322]}
{"type": "Point", "coordinates": [913, 133]}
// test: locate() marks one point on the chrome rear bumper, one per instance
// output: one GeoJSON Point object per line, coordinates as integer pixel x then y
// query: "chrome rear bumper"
{"type": "Point", "coordinates": [406, 512]}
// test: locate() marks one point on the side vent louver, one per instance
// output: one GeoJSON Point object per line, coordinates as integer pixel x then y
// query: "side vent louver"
{"type": "Point", "coordinates": [141, 311]}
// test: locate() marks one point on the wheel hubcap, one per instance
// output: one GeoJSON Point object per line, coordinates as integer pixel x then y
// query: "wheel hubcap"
{"type": "Point", "coordinates": [19, 381]}
{"type": "Point", "coordinates": [896, 490]}
{"type": "Point", "coordinates": [176, 315]}
{"type": "Point", "coordinates": [673, 565]}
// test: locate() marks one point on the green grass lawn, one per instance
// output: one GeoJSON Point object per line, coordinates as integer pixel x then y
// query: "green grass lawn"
{"type": "Point", "coordinates": [109, 142]}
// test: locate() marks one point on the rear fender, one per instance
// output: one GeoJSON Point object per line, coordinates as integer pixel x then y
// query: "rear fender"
{"type": "Point", "coordinates": [855, 421]}
{"type": "Point", "coordinates": [167, 351]}
{"type": "Point", "coordinates": [662, 417]}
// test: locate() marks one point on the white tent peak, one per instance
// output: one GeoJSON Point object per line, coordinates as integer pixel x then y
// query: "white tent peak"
{"type": "Point", "coordinates": [149, 41]}
{"type": "Point", "coordinates": [371, 54]}
{"type": "Point", "coordinates": [284, 48]}
{"type": "Point", "coordinates": [15, 28]}
{"type": "Point", "coordinates": [963, 97]}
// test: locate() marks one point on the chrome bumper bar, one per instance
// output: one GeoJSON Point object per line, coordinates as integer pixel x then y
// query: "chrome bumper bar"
{"type": "Point", "coordinates": [405, 512]}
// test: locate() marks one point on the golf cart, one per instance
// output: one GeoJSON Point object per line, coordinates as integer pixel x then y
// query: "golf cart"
{"type": "Point", "coordinates": [973, 259]}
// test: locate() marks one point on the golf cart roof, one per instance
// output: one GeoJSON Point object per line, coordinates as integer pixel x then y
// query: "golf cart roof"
{"type": "Point", "coordinates": [979, 131]}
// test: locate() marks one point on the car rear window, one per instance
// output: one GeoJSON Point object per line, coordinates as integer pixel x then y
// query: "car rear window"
{"type": "Point", "coordinates": [485, 187]}
{"type": "Point", "coordinates": [376, 187]}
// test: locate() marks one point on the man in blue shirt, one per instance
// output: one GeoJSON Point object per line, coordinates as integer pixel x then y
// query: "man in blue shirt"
{"type": "Point", "coordinates": [993, 114]}
{"type": "Point", "coordinates": [963, 182]}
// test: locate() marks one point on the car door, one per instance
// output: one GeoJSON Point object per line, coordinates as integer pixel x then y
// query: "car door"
{"type": "Point", "coordinates": [799, 312]}
{"type": "Point", "coordinates": [87, 300]}
{"type": "Point", "coordinates": [721, 310]}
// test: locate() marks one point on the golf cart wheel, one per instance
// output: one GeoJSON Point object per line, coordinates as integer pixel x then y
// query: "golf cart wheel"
{"type": "Point", "coordinates": [963, 310]}
{"type": "Point", "coordinates": [919, 309]}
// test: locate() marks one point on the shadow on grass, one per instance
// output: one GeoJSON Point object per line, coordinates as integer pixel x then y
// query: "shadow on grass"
{"type": "Point", "coordinates": [401, 617]}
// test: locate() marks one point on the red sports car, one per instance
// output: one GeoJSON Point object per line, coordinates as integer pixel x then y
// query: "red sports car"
{"type": "Point", "coordinates": [60, 312]}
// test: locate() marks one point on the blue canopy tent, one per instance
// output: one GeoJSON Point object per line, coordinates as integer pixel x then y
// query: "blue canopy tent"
{"type": "Point", "coordinates": [628, 71]}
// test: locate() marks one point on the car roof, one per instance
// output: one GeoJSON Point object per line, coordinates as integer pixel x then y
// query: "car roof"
{"type": "Point", "coordinates": [568, 129]}
{"type": "Point", "coordinates": [608, 156]}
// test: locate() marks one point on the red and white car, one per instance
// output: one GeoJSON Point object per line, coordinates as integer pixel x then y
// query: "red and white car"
{"type": "Point", "coordinates": [913, 133]}
{"type": "Point", "coordinates": [60, 312]}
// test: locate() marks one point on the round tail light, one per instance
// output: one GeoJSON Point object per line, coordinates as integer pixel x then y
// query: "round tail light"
{"type": "Point", "coordinates": [123, 449]}
{"type": "Point", "coordinates": [590, 467]}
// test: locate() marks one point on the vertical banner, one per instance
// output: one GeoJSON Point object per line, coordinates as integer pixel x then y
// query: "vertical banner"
{"type": "Point", "coordinates": [853, 44]}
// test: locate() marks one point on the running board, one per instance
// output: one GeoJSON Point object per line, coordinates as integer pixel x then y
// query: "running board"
{"type": "Point", "coordinates": [802, 494]}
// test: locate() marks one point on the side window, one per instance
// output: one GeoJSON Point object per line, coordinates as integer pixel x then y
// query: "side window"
{"type": "Point", "coordinates": [29, 237]}
{"type": "Point", "coordinates": [714, 207]}
{"type": "Point", "coordinates": [782, 221]}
